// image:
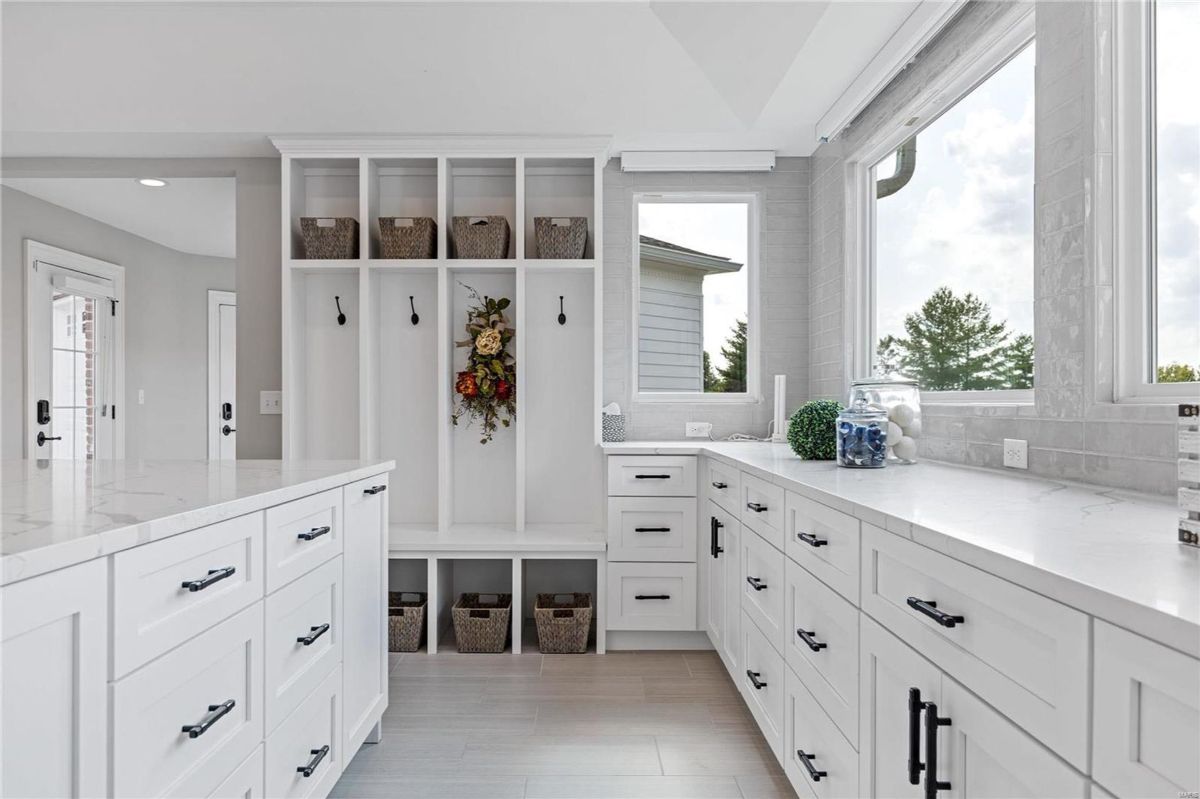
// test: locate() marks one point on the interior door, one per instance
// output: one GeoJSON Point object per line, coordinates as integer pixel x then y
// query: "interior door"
{"type": "Point", "coordinates": [222, 390]}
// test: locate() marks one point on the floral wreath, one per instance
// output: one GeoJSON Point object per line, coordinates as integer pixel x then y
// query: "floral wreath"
{"type": "Point", "coordinates": [486, 390]}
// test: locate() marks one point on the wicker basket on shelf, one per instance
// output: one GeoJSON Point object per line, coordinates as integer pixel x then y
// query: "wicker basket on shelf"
{"type": "Point", "coordinates": [560, 236]}
{"type": "Point", "coordinates": [407, 237]}
{"type": "Point", "coordinates": [329, 237]}
{"type": "Point", "coordinates": [480, 236]}
{"type": "Point", "coordinates": [563, 622]}
{"type": "Point", "coordinates": [406, 620]}
{"type": "Point", "coordinates": [479, 625]}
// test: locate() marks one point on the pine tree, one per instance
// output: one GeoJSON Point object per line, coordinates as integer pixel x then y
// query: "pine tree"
{"type": "Point", "coordinates": [1017, 371]}
{"type": "Point", "coordinates": [887, 356]}
{"type": "Point", "coordinates": [711, 381]}
{"type": "Point", "coordinates": [733, 374]}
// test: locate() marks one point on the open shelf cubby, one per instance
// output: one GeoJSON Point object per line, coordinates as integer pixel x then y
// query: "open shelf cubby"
{"type": "Point", "coordinates": [480, 187]}
{"type": "Point", "coordinates": [320, 187]}
{"type": "Point", "coordinates": [399, 187]}
{"type": "Point", "coordinates": [559, 187]}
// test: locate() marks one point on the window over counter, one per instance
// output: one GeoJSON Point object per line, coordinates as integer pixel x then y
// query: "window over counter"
{"type": "Point", "coordinates": [695, 307]}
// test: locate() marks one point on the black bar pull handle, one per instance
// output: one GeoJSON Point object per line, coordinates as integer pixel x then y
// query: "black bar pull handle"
{"type": "Point", "coordinates": [314, 634]}
{"type": "Point", "coordinates": [807, 637]}
{"type": "Point", "coordinates": [652, 477]}
{"type": "Point", "coordinates": [806, 759]}
{"type": "Point", "coordinates": [215, 713]}
{"type": "Point", "coordinates": [915, 766]}
{"type": "Point", "coordinates": [812, 540]}
{"type": "Point", "coordinates": [757, 507]}
{"type": "Point", "coordinates": [652, 529]}
{"type": "Point", "coordinates": [316, 532]}
{"type": "Point", "coordinates": [932, 722]}
{"type": "Point", "coordinates": [720, 486]}
{"type": "Point", "coordinates": [714, 526]}
{"type": "Point", "coordinates": [757, 683]}
{"type": "Point", "coordinates": [317, 756]}
{"type": "Point", "coordinates": [375, 490]}
{"type": "Point", "coordinates": [929, 608]}
{"type": "Point", "coordinates": [652, 596]}
{"type": "Point", "coordinates": [756, 584]}
{"type": "Point", "coordinates": [213, 576]}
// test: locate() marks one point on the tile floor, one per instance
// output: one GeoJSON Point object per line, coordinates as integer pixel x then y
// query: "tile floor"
{"type": "Point", "coordinates": [626, 725]}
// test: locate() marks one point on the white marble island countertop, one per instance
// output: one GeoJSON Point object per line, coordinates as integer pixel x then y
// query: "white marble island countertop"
{"type": "Point", "coordinates": [1109, 553]}
{"type": "Point", "coordinates": [54, 514]}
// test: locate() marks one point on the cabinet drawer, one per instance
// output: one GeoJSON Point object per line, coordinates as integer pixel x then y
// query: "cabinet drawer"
{"type": "Point", "coordinates": [652, 475]}
{"type": "Point", "coordinates": [153, 609]}
{"type": "Point", "coordinates": [763, 685]}
{"type": "Point", "coordinates": [652, 596]}
{"type": "Point", "coordinates": [301, 535]}
{"type": "Point", "coordinates": [308, 609]}
{"type": "Point", "coordinates": [833, 761]}
{"type": "Point", "coordinates": [761, 508]}
{"type": "Point", "coordinates": [652, 528]}
{"type": "Point", "coordinates": [1021, 652]}
{"type": "Point", "coordinates": [826, 656]}
{"type": "Point", "coordinates": [723, 483]}
{"type": "Point", "coordinates": [304, 753]}
{"type": "Point", "coordinates": [1146, 718]}
{"type": "Point", "coordinates": [763, 586]}
{"type": "Point", "coordinates": [191, 687]}
{"type": "Point", "coordinates": [824, 541]}
{"type": "Point", "coordinates": [244, 783]}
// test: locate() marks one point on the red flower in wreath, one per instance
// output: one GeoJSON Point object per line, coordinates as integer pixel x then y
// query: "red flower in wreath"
{"type": "Point", "coordinates": [503, 389]}
{"type": "Point", "coordinates": [466, 385]}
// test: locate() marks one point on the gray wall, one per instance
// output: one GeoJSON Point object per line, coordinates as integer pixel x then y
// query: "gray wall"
{"type": "Point", "coordinates": [783, 287]}
{"type": "Point", "coordinates": [257, 281]}
{"type": "Point", "coordinates": [166, 325]}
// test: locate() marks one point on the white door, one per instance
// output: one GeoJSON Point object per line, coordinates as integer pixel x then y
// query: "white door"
{"type": "Point", "coordinates": [713, 555]}
{"type": "Point", "coordinates": [222, 375]}
{"type": "Point", "coordinates": [732, 584]}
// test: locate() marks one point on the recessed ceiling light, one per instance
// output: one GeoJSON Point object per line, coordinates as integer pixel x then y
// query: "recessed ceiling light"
{"type": "Point", "coordinates": [154, 183]}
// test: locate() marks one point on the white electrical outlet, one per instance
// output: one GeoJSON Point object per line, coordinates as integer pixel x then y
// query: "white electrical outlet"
{"type": "Point", "coordinates": [697, 429]}
{"type": "Point", "coordinates": [270, 402]}
{"type": "Point", "coordinates": [1016, 453]}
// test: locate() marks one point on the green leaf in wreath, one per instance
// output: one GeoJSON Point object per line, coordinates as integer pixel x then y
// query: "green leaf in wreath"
{"type": "Point", "coordinates": [502, 303]}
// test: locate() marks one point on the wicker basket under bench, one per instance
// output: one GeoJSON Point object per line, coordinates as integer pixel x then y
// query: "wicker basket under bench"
{"type": "Point", "coordinates": [406, 620]}
{"type": "Point", "coordinates": [481, 622]}
{"type": "Point", "coordinates": [563, 622]}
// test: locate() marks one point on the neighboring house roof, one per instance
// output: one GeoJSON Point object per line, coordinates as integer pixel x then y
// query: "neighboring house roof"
{"type": "Point", "coordinates": [676, 255]}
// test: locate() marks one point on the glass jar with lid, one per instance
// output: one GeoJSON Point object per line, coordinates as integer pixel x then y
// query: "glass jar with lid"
{"type": "Point", "coordinates": [862, 436]}
{"type": "Point", "coordinates": [901, 400]}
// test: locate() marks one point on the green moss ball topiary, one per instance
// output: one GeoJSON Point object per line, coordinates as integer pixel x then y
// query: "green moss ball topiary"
{"type": "Point", "coordinates": [812, 431]}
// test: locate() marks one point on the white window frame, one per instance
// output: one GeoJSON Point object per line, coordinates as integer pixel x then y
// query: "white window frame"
{"type": "Point", "coordinates": [1133, 210]}
{"type": "Point", "coordinates": [753, 393]}
{"type": "Point", "coordinates": [984, 57]}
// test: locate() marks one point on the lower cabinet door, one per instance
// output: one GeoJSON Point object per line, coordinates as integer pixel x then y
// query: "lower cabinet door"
{"type": "Point", "coordinates": [304, 754]}
{"type": "Point", "coordinates": [731, 651]}
{"type": "Point", "coordinates": [817, 758]}
{"type": "Point", "coordinates": [246, 782]}
{"type": "Point", "coordinates": [714, 556]}
{"type": "Point", "coordinates": [651, 596]}
{"type": "Point", "coordinates": [763, 684]}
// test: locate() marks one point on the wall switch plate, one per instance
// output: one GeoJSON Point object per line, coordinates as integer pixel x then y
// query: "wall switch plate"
{"type": "Point", "coordinates": [1016, 453]}
{"type": "Point", "coordinates": [141, 396]}
{"type": "Point", "coordinates": [697, 429]}
{"type": "Point", "coordinates": [270, 402]}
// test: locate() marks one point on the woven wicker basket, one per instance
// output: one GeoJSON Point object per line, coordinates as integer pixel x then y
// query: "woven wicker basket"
{"type": "Point", "coordinates": [481, 626]}
{"type": "Point", "coordinates": [560, 236]}
{"type": "Point", "coordinates": [329, 237]}
{"type": "Point", "coordinates": [407, 237]}
{"type": "Point", "coordinates": [563, 622]}
{"type": "Point", "coordinates": [406, 620]}
{"type": "Point", "coordinates": [480, 236]}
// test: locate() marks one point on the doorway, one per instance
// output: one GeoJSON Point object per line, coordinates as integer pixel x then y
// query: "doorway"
{"type": "Point", "coordinates": [222, 375]}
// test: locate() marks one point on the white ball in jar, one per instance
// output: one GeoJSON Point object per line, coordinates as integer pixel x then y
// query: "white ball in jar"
{"type": "Point", "coordinates": [913, 429]}
{"type": "Point", "coordinates": [905, 449]}
{"type": "Point", "coordinates": [894, 433]}
{"type": "Point", "coordinates": [902, 415]}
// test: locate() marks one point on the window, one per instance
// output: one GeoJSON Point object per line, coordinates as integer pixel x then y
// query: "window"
{"type": "Point", "coordinates": [694, 283]}
{"type": "Point", "coordinates": [951, 250]}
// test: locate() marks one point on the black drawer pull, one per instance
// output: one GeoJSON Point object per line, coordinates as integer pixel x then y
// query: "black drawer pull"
{"type": "Point", "coordinates": [932, 722]}
{"type": "Point", "coordinates": [652, 529]}
{"type": "Point", "coordinates": [756, 584]}
{"type": "Point", "coordinates": [316, 532]}
{"type": "Point", "coordinates": [214, 576]}
{"type": "Point", "coordinates": [215, 712]}
{"type": "Point", "coordinates": [812, 540]}
{"type": "Point", "coordinates": [314, 634]}
{"type": "Point", "coordinates": [807, 637]}
{"type": "Point", "coordinates": [652, 596]}
{"type": "Point", "coordinates": [807, 760]}
{"type": "Point", "coordinates": [915, 766]}
{"type": "Point", "coordinates": [757, 683]}
{"type": "Point", "coordinates": [929, 608]}
{"type": "Point", "coordinates": [317, 756]}
{"type": "Point", "coordinates": [375, 490]}
{"type": "Point", "coordinates": [757, 507]}
{"type": "Point", "coordinates": [714, 548]}
{"type": "Point", "coordinates": [720, 486]}
{"type": "Point", "coordinates": [652, 477]}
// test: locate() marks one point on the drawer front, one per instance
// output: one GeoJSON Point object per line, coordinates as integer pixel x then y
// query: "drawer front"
{"type": "Point", "coordinates": [763, 585]}
{"type": "Point", "coordinates": [1023, 653]}
{"type": "Point", "coordinates": [763, 684]}
{"type": "Point", "coordinates": [652, 475]}
{"type": "Point", "coordinates": [817, 759]}
{"type": "Point", "coordinates": [304, 754]}
{"type": "Point", "coordinates": [1146, 718]}
{"type": "Point", "coordinates": [825, 657]}
{"type": "Point", "coordinates": [308, 609]}
{"type": "Point", "coordinates": [723, 483]}
{"type": "Point", "coordinates": [652, 528]}
{"type": "Point", "coordinates": [824, 541]}
{"type": "Point", "coordinates": [652, 596]}
{"type": "Point", "coordinates": [302, 535]}
{"type": "Point", "coordinates": [190, 686]}
{"type": "Point", "coordinates": [154, 611]}
{"type": "Point", "coordinates": [761, 508]}
{"type": "Point", "coordinates": [246, 782]}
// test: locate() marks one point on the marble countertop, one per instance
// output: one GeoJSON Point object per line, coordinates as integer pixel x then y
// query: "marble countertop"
{"type": "Point", "coordinates": [1107, 552]}
{"type": "Point", "coordinates": [54, 514]}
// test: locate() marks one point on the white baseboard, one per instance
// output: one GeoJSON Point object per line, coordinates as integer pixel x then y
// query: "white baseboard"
{"type": "Point", "coordinates": [655, 639]}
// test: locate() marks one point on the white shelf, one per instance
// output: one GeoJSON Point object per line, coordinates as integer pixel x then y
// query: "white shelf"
{"type": "Point", "coordinates": [475, 538]}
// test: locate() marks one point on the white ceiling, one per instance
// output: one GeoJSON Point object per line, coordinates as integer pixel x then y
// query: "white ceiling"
{"type": "Point", "coordinates": [192, 215]}
{"type": "Point", "coordinates": [207, 79]}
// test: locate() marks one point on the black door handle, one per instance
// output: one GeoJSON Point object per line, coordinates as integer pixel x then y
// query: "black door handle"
{"type": "Point", "coordinates": [652, 477]}
{"type": "Point", "coordinates": [807, 637]}
{"type": "Point", "coordinates": [652, 596]}
{"type": "Point", "coordinates": [375, 490]}
{"type": "Point", "coordinates": [652, 529]}
{"type": "Point", "coordinates": [314, 634]}
{"type": "Point", "coordinates": [932, 722]}
{"type": "Point", "coordinates": [714, 525]}
{"type": "Point", "coordinates": [915, 766]}
{"type": "Point", "coordinates": [757, 507]}
{"type": "Point", "coordinates": [757, 683]}
{"type": "Point", "coordinates": [929, 608]}
{"type": "Point", "coordinates": [316, 532]}
{"type": "Point", "coordinates": [42, 438]}
{"type": "Point", "coordinates": [318, 755]}
{"type": "Point", "coordinates": [226, 430]}
{"type": "Point", "coordinates": [807, 759]}
{"type": "Point", "coordinates": [756, 584]}
{"type": "Point", "coordinates": [812, 540]}
{"type": "Point", "coordinates": [720, 486]}
{"type": "Point", "coordinates": [215, 712]}
{"type": "Point", "coordinates": [213, 576]}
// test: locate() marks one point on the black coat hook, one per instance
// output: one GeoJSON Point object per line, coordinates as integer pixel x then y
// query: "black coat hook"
{"type": "Point", "coordinates": [341, 316]}
{"type": "Point", "coordinates": [562, 317]}
{"type": "Point", "coordinates": [415, 319]}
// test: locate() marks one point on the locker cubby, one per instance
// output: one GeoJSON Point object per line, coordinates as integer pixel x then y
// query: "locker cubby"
{"type": "Point", "coordinates": [468, 575]}
{"type": "Point", "coordinates": [324, 187]}
{"type": "Point", "coordinates": [400, 187]}
{"type": "Point", "coordinates": [482, 187]}
{"type": "Point", "coordinates": [553, 576]}
{"type": "Point", "coordinates": [559, 187]}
